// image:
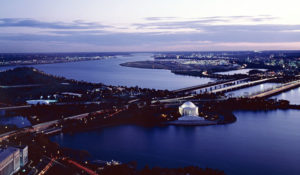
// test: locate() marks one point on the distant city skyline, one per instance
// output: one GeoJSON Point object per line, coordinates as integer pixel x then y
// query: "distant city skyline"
{"type": "Point", "coordinates": [140, 25]}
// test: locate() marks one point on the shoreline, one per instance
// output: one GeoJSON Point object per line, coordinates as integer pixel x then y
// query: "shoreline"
{"type": "Point", "coordinates": [58, 62]}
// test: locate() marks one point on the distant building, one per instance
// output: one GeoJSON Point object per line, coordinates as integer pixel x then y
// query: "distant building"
{"type": "Point", "coordinates": [189, 111]}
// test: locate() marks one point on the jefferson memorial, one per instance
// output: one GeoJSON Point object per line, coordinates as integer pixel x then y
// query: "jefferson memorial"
{"type": "Point", "coordinates": [189, 111]}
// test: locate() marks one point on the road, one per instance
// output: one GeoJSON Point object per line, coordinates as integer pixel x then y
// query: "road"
{"type": "Point", "coordinates": [21, 86]}
{"type": "Point", "coordinates": [282, 88]}
{"type": "Point", "coordinates": [208, 85]}
{"type": "Point", "coordinates": [47, 167]}
{"type": "Point", "coordinates": [45, 125]}
{"type": "Point", "coordinates": [241, 85]}
{"type": "Point", "coordinates": [14, 107]}
{"type": "Point", "coordinates": [87, 170]}
{"type": "Point", "coordinates": [62, 103]}
{"type": "Point", "coordinates": [42, 126]}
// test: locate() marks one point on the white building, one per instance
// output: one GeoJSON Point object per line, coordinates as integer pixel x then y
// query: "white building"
{"type": "Point", "coordinates": [189, 111]}
{"type": "Point", "coordinates": [11, 159]}
{"type": "Point", "coordinates": [23, 155]}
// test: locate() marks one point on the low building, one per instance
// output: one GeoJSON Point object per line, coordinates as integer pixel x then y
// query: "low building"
{"type": "Point", "coordinates": [9, 160]}
{"type": "Point", "coordinates": [189, 111]}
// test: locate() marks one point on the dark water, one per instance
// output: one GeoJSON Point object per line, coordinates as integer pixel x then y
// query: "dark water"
{"type": "Point", "coordinates": [258, 143]}
{"type": "Point", "coordinates": [110, 72]}
{"type": "Point", "coordinates": [19, 121]}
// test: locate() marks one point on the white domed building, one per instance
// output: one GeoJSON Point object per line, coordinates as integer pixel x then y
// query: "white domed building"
{"type": "Point", "coordinates": [189, 111]}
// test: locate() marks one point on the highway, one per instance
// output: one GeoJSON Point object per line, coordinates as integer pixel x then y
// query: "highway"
{"type": "Point", "coordinates": [47, 167]}
{"type": "Point", "coordinates": [14, 107]}
{"type": "Point", "coordinates": [169, 100]}
{"type": "Point", "coordinates": [42, 126]}
{"type": "Point", "coordinates": [45, 125]}
{"type": "Point", "coordinates": [208, 85]}
{"type": "Point", "coordinates": [87, 170]}
{"type": "Point", "coordinates": [21, 86]}
{"type": "Point", "coordinates": [225, 89]}
{"type": "Point", "coordinates": [62, 103]}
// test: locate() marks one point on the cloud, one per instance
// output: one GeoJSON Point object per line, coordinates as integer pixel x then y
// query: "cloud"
{"type": "Point", "coordinates": [214, 31]}
{"type": "Point", "coordinates": [230, 33]}
{"type": "Point", "coordinates": [221, 18]}
{"type": "Point", "coordinates": [160, 18]}
{"type": "Point", "coordinates": [198, 23]}
{"type": "Point", "coordinates": [21, 22]}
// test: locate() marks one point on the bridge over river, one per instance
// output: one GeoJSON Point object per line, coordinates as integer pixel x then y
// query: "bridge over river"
{"type": "Point", "coordinates": [241, 85]}
{"type": "Point", "coordinates": [221, 87]}
{"type": "Point", "coordinates": [277, 90]}
{"type": "Point", "coordinates": [212, 85]}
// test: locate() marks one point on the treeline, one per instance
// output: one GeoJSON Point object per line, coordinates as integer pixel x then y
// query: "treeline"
{"type": "Point", "coordinates": [25, 76]}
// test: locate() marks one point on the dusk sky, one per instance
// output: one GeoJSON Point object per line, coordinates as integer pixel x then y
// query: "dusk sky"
{"type": "Point", "coordinates": [148, 25]}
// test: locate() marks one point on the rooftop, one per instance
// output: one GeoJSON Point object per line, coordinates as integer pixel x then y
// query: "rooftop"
{"type": "Point", "coordinates": [4, 153]}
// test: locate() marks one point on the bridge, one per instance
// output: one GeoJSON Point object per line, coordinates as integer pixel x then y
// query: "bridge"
{"type": "Point", "coordinates": [224, 89]}
{"type": "Point", "coordinates": [42, 126]}
{"type": "Point", "coordinates": [14, 107]}
{"type": "Point", "coordinates": [45, 125]}
{"type": "Point", "coordinates": [277, 90]}
{"type": "Point", "coordinates": [242, 85]}
{"type": "Point", "coordinates": [209, 85]}
{"type": "Point", "coordinates": [3, 109]}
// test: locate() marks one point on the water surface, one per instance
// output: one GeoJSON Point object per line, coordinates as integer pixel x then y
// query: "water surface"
{"type": "Point", "coordinates": [292, 95]}
{"type": "Point", "coordinates": [258, 143]}
{"type": "Point", "coordinates": [109, 71]}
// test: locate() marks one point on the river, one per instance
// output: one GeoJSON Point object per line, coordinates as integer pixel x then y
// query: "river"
{"type": "Point", "coordinates": [109, 71]}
